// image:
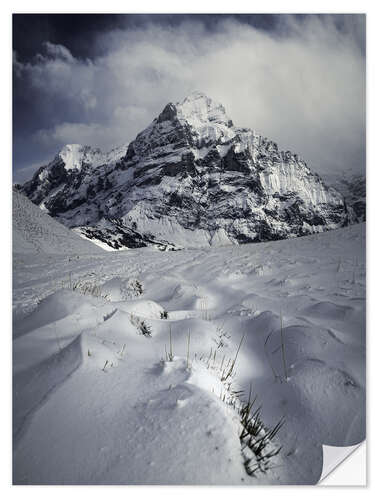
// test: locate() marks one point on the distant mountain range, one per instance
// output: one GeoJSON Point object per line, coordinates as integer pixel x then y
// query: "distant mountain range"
{"type": "Point", "coordinates": [190, 179]}
{"type": "Point", "coordinates": [352, 185]}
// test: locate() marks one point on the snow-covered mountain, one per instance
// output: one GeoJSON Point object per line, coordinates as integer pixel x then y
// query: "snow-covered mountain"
{"type": "Point", "coordinates": [190, 179]}
{"type": "Point", "coordinates": [36, 232]}
{"type": "Point", "coordinates": [352, 185]}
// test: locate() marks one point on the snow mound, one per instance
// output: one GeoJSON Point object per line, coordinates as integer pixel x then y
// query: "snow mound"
{"type": "Point", "coordinates": [144, 308]}
{"type": "Point", "coordinates": [347, 426]}
{"type": "Point", "coordinates": [53, 308]}
{"type": "Point", "coordinates": [328, 310]}
{"type": "Point", "coordinates": [32, 386]}
{"type": "Point", "coordinates": [119, 289]}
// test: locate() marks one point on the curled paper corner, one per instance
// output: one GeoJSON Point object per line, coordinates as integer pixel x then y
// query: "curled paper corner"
{"type": "Point", "coordinates": [334, 456]}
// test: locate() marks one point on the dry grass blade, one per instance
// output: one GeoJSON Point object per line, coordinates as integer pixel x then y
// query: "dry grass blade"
{"type": "Point", "coordinates": [231, 367]}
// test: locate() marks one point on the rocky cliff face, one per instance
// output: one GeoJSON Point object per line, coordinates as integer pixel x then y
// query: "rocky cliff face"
{"type": "Point", "coordinates": [352, 186]}
{"type": "Point", "coordinates": [190, 179]}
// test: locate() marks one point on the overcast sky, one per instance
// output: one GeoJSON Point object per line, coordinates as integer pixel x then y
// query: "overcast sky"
{"type": "Point", "coordinates": [101, 79]}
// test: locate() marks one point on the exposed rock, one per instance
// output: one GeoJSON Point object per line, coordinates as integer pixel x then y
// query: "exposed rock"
{"type": "Point", "coordinates": [189, 179]}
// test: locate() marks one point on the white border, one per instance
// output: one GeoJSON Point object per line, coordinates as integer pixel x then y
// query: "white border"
{"type": "Point", "coordinates": [160, 6]}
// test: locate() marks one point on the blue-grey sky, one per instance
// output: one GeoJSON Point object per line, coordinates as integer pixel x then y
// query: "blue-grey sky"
{"type": "Point", "coordinates": [100, 79]}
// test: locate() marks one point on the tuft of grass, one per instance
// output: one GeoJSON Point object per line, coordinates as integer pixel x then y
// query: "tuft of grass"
{"type": "Point", "coordinates": [164, 315]}
{"type": "Point", "coordinates": [169, 354]}
{"type": "Point", "coordinates": [257, 437]}
{"type": "Point", "coordinates": [257, 440]}
{"type": "Point", "coordinates": [222, 335]}
{"type": "Point", "coordinates": [144, 328]}
{"type": "Point", "coordinates": [138, 287]}
{"type": "Point", "coordinates": [141, 325]}
{"type": "Point", "coordinates": [135, 286]}
{"type": "Point", "coordinates": [87, 288]}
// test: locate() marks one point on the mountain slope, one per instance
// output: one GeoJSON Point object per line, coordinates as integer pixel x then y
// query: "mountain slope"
{"type": "Point", "coordinates": [191, 179]}
{"type": "Point", "coordinates": [352, 186]}
{"type": "Point", "coordinates": [35, 231]}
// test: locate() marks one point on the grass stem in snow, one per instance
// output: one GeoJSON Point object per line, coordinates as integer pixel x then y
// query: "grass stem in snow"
{"type": "Point", "coordinates": [283, 347]}
{"type": "Point", "coordinates": [122, 350]}
{"type": "Point", "coordinates": [231, 368]}
{"type": "Point", "coordinates": [188, 350]}
{"type": "Point", "coordinates": [170, 343]}
{"type": "Point", "coordinates": [57, 338]}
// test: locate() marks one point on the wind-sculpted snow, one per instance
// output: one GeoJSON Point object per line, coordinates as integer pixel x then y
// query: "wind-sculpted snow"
{"type": "Point", "coordinates": [117, 360]}
{"type": "Point", "coordinates": [190, 179]}
{"type": "Point", "coordinates": [32, 386]}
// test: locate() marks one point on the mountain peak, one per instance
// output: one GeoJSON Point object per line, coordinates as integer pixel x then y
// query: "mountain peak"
{"type": "Point", "coordinates": [189, 179]}
{"type": "Point", "coordinates": [197, 109]}
{"type": "Point", "coordinates": [73, 155]}
{"type": "Point", "coordinates": [78, 149]}
{"type": "Point", "coordinates": [197, 95]}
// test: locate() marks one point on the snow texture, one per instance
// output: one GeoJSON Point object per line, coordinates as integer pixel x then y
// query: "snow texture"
{"type": "Point", "coordinates": [105, 391]}
{"type": "Point", "coordinates": [35, 231]}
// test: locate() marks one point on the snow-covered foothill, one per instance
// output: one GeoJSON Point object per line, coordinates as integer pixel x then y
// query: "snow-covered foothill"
{"type": "Point", "coordinates": [35, 231]}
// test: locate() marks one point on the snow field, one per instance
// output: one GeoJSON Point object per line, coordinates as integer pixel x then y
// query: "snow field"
{"type": "Point", "coordinates": [97, 400]}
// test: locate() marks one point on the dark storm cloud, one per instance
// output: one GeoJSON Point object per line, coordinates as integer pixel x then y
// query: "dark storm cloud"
{"type": "Point", "coordinates": [79, 31]}
{"type": "Point", "coordinates": [99, 80]}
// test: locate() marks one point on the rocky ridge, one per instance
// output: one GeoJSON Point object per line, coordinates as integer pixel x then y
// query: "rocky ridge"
{"type": "Point", "coordinates": [190, 179]}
